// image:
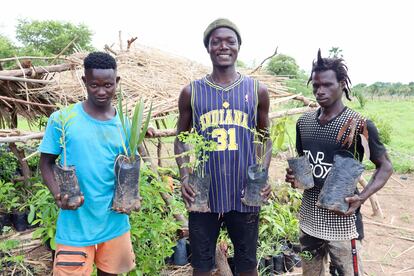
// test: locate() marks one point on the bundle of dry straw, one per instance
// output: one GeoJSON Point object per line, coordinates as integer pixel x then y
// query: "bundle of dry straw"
{"type": "Point", "coordinates": [147, 73]}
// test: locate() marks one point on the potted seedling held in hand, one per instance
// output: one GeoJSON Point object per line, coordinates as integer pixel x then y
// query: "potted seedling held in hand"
{"type": "Point", "coordinates": [300, 165]}
{"type": "Point", "coordinates": [127, 165]}
{"type": "Point", "coordinates": [257, 174]}
{"type": "Point", "coordinates": [342, 179]}
{"type": "Point", "coordinates": [65, 175]}
{"type": "Point", "coordinates": [198, 179]}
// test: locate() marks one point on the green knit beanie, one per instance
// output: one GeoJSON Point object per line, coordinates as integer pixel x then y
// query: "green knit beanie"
{"type": "Point", "coordinates": [220, 23]}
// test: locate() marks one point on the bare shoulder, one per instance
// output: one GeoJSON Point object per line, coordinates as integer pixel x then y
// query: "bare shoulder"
{"type": "Point", "coordinates": [262, 93]}
{"type": "Point", "coordinates": [262, 88]}
{"type": "Point", "coordinates": [185, 96]}
{"type": "Point", "coordinates": [186, 89]}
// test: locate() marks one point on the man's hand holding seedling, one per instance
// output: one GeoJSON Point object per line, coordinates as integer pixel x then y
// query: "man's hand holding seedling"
{"type": "Point", "coordinates": [266, 191]}
{"type": "Point", "coordinates": [187, 191]}
{"type": "Point", "coordinates": [355, 202]}
{"type": "Point", "coordinates": [136, 207]}
{"type": "Point", "coordinates": [63, 202]}
{"type": "Point", "coordinates": [290, 178]}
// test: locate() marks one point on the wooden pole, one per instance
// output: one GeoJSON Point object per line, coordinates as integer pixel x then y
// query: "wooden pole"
{"type": "Point", "coordinates": [23, 138]}
{"type": "Point", "coordinates": [376, 208]}
{"type": "Point", "coordinates": [299, 110]}
{"type": "Point", "coordinates": [19, 153]}
{"type": "Point", "coordinates": [38, 136]}
{"type": "Point", "coordinates": [306, 101]}
{"type": "Point", "coordinates": [159, 145]}
{"type": "Point", "coordinates": [64, 49]}
{"type": "Point", "coordinates": [389, 226]}
{"type": "Point", "coordinates": [27, 57]}
{"type": "Point", "coordinates": [163, 133]}
{"type": "Point", "coordinates": [26, 102]}
{"type": "Point", "coordinates": [221, 261]}
{"type": "Point", "coordinates": [11, 78]}
{"type": "Point", "coordinates": [37, 70]}
{"type": "Point", "coordinates": [261, 64]}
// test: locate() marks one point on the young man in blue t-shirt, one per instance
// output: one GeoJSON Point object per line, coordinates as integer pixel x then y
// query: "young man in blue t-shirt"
{"type": "Point", "coordinates": [89, 231]}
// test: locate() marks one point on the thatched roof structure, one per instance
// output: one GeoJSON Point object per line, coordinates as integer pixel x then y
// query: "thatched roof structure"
{"type": "Point", "coordinates": [147, 73]}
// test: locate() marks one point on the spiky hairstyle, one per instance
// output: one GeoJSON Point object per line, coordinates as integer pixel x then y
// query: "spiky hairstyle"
{"type": "Point", "coordinates": [335, 64]}
{"type": "Point", "coordinates": [99, 60]}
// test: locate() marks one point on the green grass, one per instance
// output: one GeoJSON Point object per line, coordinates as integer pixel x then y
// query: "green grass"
{"type": "Point", "coordinates": [399, 115]}
{"type": "Point", "coordinates": [299, 86]}
{"type": "Point", "coordinates": [23, 124]}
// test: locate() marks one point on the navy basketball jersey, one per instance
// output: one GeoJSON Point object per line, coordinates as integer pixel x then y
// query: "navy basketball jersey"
{"type": "Point", "coordinates": [228, 117]}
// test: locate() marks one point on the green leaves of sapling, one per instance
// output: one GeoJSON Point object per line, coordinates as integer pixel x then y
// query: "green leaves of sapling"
{"type": "Point", "coordinates": [133, 128]}
{"type": "Point", "coordinates": [200, 149]}
{"type": "Point", "coordinates": [64, 120]}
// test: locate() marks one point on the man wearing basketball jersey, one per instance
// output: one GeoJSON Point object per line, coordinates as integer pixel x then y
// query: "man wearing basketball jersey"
{"type": "Point", "coordinates": [319, 135]}
{"type": "Point", "coordinates": [225, 107]}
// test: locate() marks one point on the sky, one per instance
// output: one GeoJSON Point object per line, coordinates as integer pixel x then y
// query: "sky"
{"type": "Point", "coordinates": [375, 36]}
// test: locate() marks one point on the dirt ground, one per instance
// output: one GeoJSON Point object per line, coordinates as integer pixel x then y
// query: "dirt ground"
{"type": "Point", "coordinates": [388, 246]}
{"type": "Point", "coordinates": [389, 241]}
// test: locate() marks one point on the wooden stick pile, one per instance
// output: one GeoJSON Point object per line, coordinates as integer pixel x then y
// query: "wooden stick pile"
{"type": "Point", "coordinates": [147, 73]}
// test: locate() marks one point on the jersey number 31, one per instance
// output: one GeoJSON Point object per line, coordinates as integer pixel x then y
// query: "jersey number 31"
{"type": "Point", "coordinates": [226, 139]}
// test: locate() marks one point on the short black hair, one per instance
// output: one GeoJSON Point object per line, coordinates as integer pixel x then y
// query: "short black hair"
{"type": "Point", "coordinates": [335, 64]}
{"type": "Point", "coordinates": [99, 60]}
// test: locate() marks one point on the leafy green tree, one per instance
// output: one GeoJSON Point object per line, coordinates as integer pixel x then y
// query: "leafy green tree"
{"type": "Point", "coordinates": [335, 52]}
{"type": "Point", "coordinates": [411, 87]}
{"type": "Point", "coordinates": [283, 65]}
{"type": "Point", "coordinates": [379, 89]}
{"type": "Point", "coordinates": [241, 64]}
{"type": "Point", "coordinates": [49, 37]}
{"type": "Point", "coordinates": [7, 49]}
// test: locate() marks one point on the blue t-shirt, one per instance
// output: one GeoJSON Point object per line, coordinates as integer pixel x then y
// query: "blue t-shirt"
{"type": "Point", "coordinates": [92, 147]}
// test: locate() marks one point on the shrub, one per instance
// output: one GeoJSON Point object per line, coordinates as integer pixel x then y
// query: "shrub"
{"type": "Point", "coordinates": [278, 221]}
{"type": "Point", "coordinates": [153, 228]}
{"type": "Point", "coordinates": [361, 99]}
{"type": "Point", "coordinates": [8, 196]}
{"type": "Point", "coordinates": [383, 126]}
{"type": "Point", "coordinates": [8, 259]}
{"type": "Point", "coordinates": [283, 65]}
{"type": "Point", "coordinates": [43, 211]}
{"type": "Point", "coordinates": [8, 164]}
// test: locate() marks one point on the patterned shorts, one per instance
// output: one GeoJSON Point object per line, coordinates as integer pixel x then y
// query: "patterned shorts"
{"type": "Point", "coordinates": [114, 256]}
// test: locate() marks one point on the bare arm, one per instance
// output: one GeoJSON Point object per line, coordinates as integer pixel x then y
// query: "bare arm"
{"type": "Point", "coordinates": [184, 124]}
{"type": "Point", "coordinates": [47, 161]}
{"type": "Point", "coordinates": [263, 123]}
{"type": "Point", "coordinates": [263, 128]}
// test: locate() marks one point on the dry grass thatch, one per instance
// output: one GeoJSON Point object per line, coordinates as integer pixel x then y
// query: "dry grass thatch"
{"type": "Point", "coordinates": [146, 73]}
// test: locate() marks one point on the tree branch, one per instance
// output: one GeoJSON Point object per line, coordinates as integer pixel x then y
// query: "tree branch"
{"type": "Point", "coordinates": [261, 64]}
{"type": "Point", "coordinates": [25, 102]}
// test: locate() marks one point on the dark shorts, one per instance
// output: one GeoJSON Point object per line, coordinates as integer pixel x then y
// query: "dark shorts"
{"type": "Point", "coordinates": [243, 232]}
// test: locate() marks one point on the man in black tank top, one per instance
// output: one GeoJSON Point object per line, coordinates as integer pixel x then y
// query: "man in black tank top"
{"type": "Point", "coordinates": [224, 106]}
{"type": "Point", "coordinates": [324, 232]}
